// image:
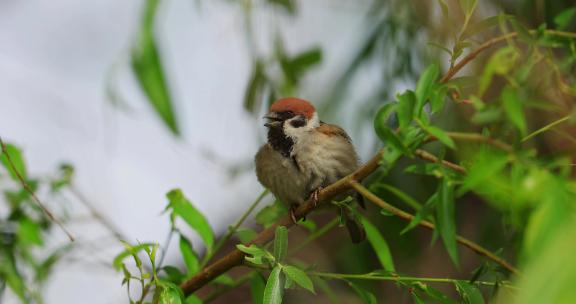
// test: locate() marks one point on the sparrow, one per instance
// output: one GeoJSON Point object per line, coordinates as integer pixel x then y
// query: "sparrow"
{"type": "Point", "coordinates": [303, 155]}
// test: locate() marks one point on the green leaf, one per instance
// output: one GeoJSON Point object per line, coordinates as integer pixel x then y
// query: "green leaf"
{"type": "Point", "coordinates": [255, 88]}
{"type": "Point", "coordinates": [514, 109]}
{"type": "Point", "coordinates": [484, 165]}
{"type": "Point", "coordinates": [564, 19]}
{"type": "Point", "coordinates": [500, 63]}
{"type": "Point", "coordinates": [422, 214]}
{"type": "Point", "coordinates": [405, 109]}
{"type": "Point", "coordinates": [245, 235]}
{"type": "Point", "coordinates": [468, 6]}
{"type": "Point", "coordinates": [424, 86]}
{"type": "Point", "coordinates": [274, 287]}
{"type": "Point", "coordinates": [189, 256]}
{"type": "Point", "coordinates": [29, 232]}
{"type": "Point", "coordinates": [437, 98]}
{"type": "Point", "coordinates": [148, 69]}
{"type": "Point", "coordinates": [445, 218]}
{"type": "Point", "coordinates": [192, 299]}
{"type": "Point", "coordinates": [379, 244]}
{"type": "Point", "coordinates": [256, 252]}
{"type": "Point", "coordinates": [174, 274]}
{"type": "Point", "coordinates": [271, 213]}
{"type": "Point", "coordinates": [383, 116]}
{"type": "Point", "coordinates": [469, 293]}
{"type": "Point", "coordinates": [224, 279]}
{"type": "Point", "coordinates": [17, 160]}
{"type": "Point", "coordinates": [410, 201]}
{"type": "Point", "coordinates": [392, 140]}
{"type": "Point", "coordinates": [366, 296]}
{"type": "Point", "coordinates": [280, 243]}
{"type": "Point", "coordinates": [169, 295]}
{"type": "Point", "coordinates": [130, 251]}
{"type": "Point", "coordinates": [440, 135]}
{"type": "Point", "coordinates": [482, 26]}
{"type": "Point", "coordinates": [299, 277]}
{"type": "Point", "coordinates": [257, 285]}
{"type": "Point", "coordinates": [183, 208]}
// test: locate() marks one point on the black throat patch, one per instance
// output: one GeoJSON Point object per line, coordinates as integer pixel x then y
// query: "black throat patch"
{"type": "Point", "coordinates": [279, 141]}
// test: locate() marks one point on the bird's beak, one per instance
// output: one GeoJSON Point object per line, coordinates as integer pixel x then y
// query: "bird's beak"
{"type": "Point", "coordinates": [273, 120]}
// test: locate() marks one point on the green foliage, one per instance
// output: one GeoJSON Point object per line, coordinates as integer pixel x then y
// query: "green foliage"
{"type": "Point", "coordinates": [149, 71]}
{"type": "Point", "coordinates": [27, 258]}
{"type": "Point", "coordinates": [379, 245]}
{"type": "Point", "coordinates": [181, 207]}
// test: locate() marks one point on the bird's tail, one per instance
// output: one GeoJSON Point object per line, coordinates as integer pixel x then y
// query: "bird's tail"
{"type": "Point", "coordinates": [354, 227]}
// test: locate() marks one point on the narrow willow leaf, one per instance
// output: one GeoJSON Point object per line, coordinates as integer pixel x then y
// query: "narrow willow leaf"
{"type": "Point", "coordinates": [440, 135]}
{"type": "Point", "coordinates": [366, 296]}
{"type": "Point", "coordinates": [445, 218]}
{"type": "Point", "coordinates": [257, 285]}
{"type": "Point", "coordinates": [500, 63]}
{"type": "Point", "coordinates": [410, 201]}
{"type": "Point", "coordinates": [274, 287]}
{"type": "Point", "coordinates": [147, 66]}
{"type": "Point", "coordinates": [189, 256]}
{"type": "Point", "coordinates": [405, 109]}
{"type": "Point", "coordinates": [255, 88]}
{"type": "Point", "coordinates": [383, 115]}
{"type": "Point", "coordinates": [280, 243]}
{"type": "Point", "coordinates": [174, 274]}
{"type": "Point", "coordinates": [17, 160]}
{"type": "Point", "coordinates": [485, 165]}
{"type": "Point", "coordinates": [565, 18]}
{"type": "Point", "coordinates": [469, 293]}
{"type": "Point", "coordinates": [514, 109]}
{"type": "Point", "coordinates": [379, 245]}
{"type": "Point", "coordinates": [482, 25]}
{"type": "Point", "coordinates": [422, 214]}
{"type": "Point", "coordinates": [183, 208]}
{"type": "Point", "coordinates": [245, 235]}
{"type": "Point", "coordinates": [299, 277]}
{"type": "Point", "coordinates": [252, 249]}
{"type": "Point", "coordinates": [424, 87]}
{"type": "Point", "coordinates": [224, 279]}
{"type": "Point", "coordinates": [468, 6]}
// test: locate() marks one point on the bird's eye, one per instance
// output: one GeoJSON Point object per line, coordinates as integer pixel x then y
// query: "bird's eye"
{"type": "Point", "coordinates": [298, 122]}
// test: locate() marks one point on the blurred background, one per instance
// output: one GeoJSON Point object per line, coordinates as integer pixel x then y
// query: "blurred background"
{"type": "Point", "coordinates": [73, 89]}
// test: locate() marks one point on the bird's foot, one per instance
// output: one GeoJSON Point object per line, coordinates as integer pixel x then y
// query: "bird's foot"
{"type": "Point", "coordinates": [314, 196]}
{"type": "Point", "coordinates": [293, 208]}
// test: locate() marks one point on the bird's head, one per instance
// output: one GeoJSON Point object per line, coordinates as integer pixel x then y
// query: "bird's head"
{"type": "Point", "coordinates": [289, 120]}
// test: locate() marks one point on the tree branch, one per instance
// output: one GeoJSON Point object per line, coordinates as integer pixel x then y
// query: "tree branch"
{"type": "Point", "coordinates": [28, 189]}
{"type": "Point", "coordinates": [409, 217]}
{"type": "Point", "coordinates": [236, 257]}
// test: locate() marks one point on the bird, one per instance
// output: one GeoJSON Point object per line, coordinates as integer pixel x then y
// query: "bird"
{"type": "Point", "coordinates": [302, 155]}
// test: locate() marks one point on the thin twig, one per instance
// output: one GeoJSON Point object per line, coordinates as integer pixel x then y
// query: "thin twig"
{"type": "Point", "coordinates": [395, 278]}
{"type": "Point", "coordinates": [315, 235]}
{"type": "Point", "coordinates": [409, 217]}
{"type": "Point", "coordinates": [109, 225]}
{"type": "Point", "coordinates": [431, 158]}
{"type": "Point", "coordinates": [547, 127]}
{"type": "Point", "coordinates": [31, 192]}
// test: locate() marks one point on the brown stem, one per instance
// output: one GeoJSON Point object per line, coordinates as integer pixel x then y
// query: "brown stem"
{"type": "Point", "coordinates": [431, 158]}
{"type": "Point", "coordinates": [409, 217]}
{"type": "Point", "coordinates": [486, 45]}
{"type": "Point", "coordinates": [28, 189]}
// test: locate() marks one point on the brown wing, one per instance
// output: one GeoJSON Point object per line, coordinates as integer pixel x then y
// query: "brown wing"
{"type": "Point", "coordinates": [333, 130]}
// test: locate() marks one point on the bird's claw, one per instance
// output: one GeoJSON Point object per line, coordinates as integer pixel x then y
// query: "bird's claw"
{"type": "Point", "coordinates": [315, 196]}
{"type": "Point", "coordinates": [293, 208]}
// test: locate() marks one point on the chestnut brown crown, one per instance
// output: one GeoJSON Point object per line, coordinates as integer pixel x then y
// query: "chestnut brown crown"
{"type": "Point", "coordinates": [295, 105]}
